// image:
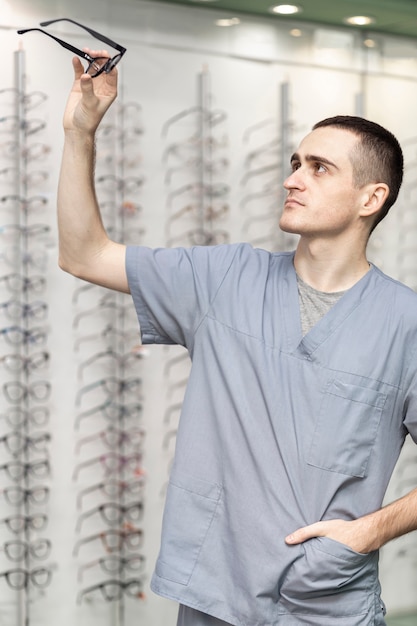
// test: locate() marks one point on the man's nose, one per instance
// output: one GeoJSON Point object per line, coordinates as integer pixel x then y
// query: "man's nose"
{"type": "Point", "coordinates": [294, 180]}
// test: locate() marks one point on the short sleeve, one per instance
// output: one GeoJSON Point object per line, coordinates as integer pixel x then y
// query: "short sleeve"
{"type": "Point", "coordinates": [173, 288]}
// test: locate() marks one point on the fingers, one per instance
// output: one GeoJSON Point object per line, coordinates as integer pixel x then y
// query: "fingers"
{"type": "Point", "coordinates": [97, 53]}
{"type": "Point", "coordinates": [78, 68]}
{"type": "Point", "coordinates": [295, 537]}
{"type": "Point", "coordinates": [307, 532]}
{"type": "Point", "coordinates": [112, 79]}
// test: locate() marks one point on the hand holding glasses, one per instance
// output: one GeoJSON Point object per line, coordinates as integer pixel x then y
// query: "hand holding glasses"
{"type": "Point", "coordinates": [95, 65]}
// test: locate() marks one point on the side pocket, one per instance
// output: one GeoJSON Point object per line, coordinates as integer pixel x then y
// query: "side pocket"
{"type": "Point", "coordinates": [329, 581]}
{"type": "Point", "coordinates": [189, 510]}
{"type": "Point", "coordinates": [346, 428]}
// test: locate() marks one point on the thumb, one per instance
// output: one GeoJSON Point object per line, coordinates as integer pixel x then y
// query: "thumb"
{"type": "Point", "coordinates": [86, 84]}
{"type": "Point", "coordinates": [77, 67]}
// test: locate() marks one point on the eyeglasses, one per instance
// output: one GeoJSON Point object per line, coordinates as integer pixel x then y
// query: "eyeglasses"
{"type": "Point", "coordinates": [109, 331]}
{"type": "Point", "coordinates": [126, 208]}
{"type": "Point", "coordinates": [17, 495]}
{"type": "Point", "coordinates": [11, 123]}
{"type": "Point", "coordinates": [32, 152]}
{"type": "Point", "coordinates": [200, 237]}
{"type": "Point", "coordinates": [114, 589]}
{"type": "Point", "coordinates": [119, 310]}
{"type": "Point", "coordinates": [18, 550]}
{"type": "Point", "coordinates": [17, 283]}
{"type": "Point", "coordinates": [194, 163]}
{"type": "Point", "coordinates": [181, 150]}
{"type": "Point", "coordinates": [33, 230]}
{"type": "Point", "coordinates": [115, 438]}
{"type": "Point", "coordinates": [33, 203]}
{"type": "Point", "coordinates": [112, 131]}
{"type": "Point", "coordinates": [96, 65]}
{"type": "Point", "coordinates": [114, 540]}
{"type": "Point", "coordinates": [113, 462]}
{"type": "Point", "coordinates": [127, 360]}
{"type": "Point", "coordinates": [18, 523]}
{"type": "Point", "coordinates": [16, 443]}
{"type": "Point", "coordinates": [213, 190]}
{"type": "Point", "coordinates": [20, 578]}
{"type": "Point", "coordinates": [30, 100]}
{"type": "Point", "coordinates": [17, 417]}
{"type": "Point", "coordinates": [211, 117]}
{"type": "Point", "coordinates": [18, 362]}
{"type": "Point", "coordinates": [17, 470]}
{"type": "Point", "coordinates": [15, 309]}
{"type": "Point", "coordinates": [109, 182]}
{"type": "Point", "coordinates": [13, 255]}
{"type": "Point", "coordinates": [172, 410]}
{"type": "Point", "coordinates": [112, 386]}
{"type": "Point", "coordinates": [114, 514]}
{"type": "Point", "coordinates": [16, 392]}
{"type": "Point", "coordinates": [17, 336]}
{"type": "Point", "coordinates": [31, 177]}
{"type": "Point", "coordinates": [115, 564]}
{"type": "Point", "coordinates": [114, 489]}
{"type": "Point", "coordinates": [112, 411]}
{"type": "Point", "coordinates": [209, 213]}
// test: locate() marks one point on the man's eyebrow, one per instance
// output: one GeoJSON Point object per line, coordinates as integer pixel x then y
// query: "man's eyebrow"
{"type": "Point", "coordinates": [313, 158]}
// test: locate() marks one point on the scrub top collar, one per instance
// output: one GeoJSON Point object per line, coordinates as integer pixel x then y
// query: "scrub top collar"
{"type": "Point", "coordinates": [305, 347]}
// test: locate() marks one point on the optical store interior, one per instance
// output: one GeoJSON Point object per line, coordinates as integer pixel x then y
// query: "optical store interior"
{"type": "Point", "coordinates": [215, 95]}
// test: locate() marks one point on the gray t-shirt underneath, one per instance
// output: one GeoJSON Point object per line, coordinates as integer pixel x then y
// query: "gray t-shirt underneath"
{"type": "Point", "coordinates": [314, 304]}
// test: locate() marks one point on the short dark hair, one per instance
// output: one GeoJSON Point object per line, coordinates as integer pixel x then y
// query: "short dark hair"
{"type": "Point", "coordinates": [378, 157]}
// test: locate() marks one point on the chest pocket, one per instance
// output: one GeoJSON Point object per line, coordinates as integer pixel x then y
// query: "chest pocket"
{"type": "Point", "coordinates": [346, 428]}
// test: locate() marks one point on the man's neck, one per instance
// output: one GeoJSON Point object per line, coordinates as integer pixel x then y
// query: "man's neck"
{"type": "Point", "coordinates": [329, 267]}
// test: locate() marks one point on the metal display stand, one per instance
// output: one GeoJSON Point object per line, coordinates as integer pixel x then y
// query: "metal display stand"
{"type": "Point", "coordinates": [25, 469]}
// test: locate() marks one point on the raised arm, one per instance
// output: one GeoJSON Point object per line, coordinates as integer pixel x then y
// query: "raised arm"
{"type": "Point", "coordinates": [85, 249]}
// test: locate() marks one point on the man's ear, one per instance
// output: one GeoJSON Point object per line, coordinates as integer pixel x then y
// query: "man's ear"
{"type": "Point", "coordinates": [373, 198]}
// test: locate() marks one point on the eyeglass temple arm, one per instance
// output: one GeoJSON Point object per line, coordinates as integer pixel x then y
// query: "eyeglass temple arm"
{"type": "Point", "coordinates": [62, 43]}
{"type": "Point", "coordinates": [92, 32]}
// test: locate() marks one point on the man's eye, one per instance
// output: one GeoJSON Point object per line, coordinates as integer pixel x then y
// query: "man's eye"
{"type": "Point", "coordinates": [320, 168]}
{"type": "Point", "coordinates": [295, 165]}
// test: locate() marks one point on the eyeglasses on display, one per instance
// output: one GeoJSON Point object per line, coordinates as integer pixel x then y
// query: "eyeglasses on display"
{"type": "Point", "coordinates": [17, 550]}
{"type": "Point", "coordinates": [115, 564]}
{"type": "Point", "coordinates": [114, 589]}
{"type": "Point", "coordinates": [19, 578]}
{"type": "Point", "coordinates": [20, 523]}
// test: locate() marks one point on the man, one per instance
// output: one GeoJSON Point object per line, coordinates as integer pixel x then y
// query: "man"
{"type": "Point", "coordinates": [302, 386]}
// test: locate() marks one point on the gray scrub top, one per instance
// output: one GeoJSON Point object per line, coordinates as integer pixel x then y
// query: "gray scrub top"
{"type": "Point", "coordinates": [277, 431]}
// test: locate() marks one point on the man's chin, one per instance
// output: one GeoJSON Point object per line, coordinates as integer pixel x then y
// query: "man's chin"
{"type": "Point", "coordinates": [288, 228]}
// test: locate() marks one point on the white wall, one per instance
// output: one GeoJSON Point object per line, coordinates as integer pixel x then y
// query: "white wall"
{"type": "Point", "coordinates": [167, 49]}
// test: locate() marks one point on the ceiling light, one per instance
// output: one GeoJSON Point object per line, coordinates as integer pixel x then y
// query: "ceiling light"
{"type": "Point", "coordinates": [286, 9]}
{"type": "Point", "coordinates": [359, 20]}
{"type": "Point", "coordinates": [229, 21]}
{"type": "Point", "coordinates": [370, 43]}
{"type": "Point", "coordinates": [296, 32]}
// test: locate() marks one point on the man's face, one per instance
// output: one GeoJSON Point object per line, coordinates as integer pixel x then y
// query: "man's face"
{"type": "Point", "coordinates": [322, 200]}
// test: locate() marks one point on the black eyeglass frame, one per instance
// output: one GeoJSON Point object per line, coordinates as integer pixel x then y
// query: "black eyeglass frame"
{"type": "Point", "coordinates": [106, 67]}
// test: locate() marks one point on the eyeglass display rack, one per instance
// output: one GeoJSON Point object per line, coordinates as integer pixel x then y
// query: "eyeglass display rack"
{"type": "Point", "coordinates": [406, 249]}
{"type": "Point", "coordinates": [25, 570]}
{"type": "Point", "coordinates": [268, 149]}
{"type": "Point", "coordinates": [195, 160]}
{"type": "Point", "coordinates": [109, 471]}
